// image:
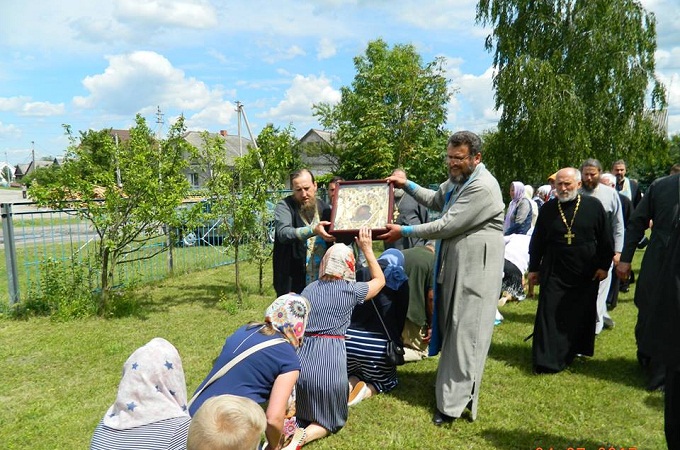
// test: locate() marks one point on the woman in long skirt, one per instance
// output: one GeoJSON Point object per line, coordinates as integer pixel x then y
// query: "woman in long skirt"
{"type": "Point", "coordinates": [322, 388]}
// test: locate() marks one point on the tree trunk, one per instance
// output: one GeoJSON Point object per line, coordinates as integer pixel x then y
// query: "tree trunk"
{"type": "Point", "coordinates": [104, 294]}
{"type": "Point", "coordinates": [260, 264]}
{"type": "Point", "coordinates": [237, 271]}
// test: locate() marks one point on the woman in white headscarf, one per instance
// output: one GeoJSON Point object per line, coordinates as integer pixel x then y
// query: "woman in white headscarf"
{"type": "Point", "coordinates": [150, 411]}
{"type": "Point", "coordinates": [322, 388]}
{"type": "Point", "coordinates": [373, 324]}
{"type": "Point", "coordinates": [518, 217]}
{"type": "Point", "coordinates": [529, 194]}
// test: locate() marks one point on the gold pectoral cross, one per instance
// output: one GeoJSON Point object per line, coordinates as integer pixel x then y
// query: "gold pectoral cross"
{"type": "Point", "coordinates": [569, 235]}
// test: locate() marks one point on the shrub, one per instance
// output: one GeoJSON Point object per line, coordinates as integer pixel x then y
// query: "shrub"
{"type": "Point", "coordinates": [66, 291]}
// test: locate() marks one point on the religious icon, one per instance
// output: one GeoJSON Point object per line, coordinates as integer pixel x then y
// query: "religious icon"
{"type": "Point", "coordinates": [362, 203]}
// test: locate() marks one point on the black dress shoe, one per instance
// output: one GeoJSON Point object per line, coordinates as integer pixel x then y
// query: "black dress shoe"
{"type": "Point", "coordinates": [439, 418]}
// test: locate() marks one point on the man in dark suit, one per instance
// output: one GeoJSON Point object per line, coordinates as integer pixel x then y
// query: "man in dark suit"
{"type": "Point", "coordinates": [625, 185]}
{"type": "Point", "coordinates": [300, 238]}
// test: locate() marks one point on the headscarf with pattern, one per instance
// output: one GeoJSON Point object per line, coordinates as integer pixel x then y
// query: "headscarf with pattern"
{"type": "Point", "coordinates": [152, 388]}
{"type": "Point", "coordinates": [394, 272]}
{"type": "Point", "coordinates": [289, 314]}
{"type": "Point", "coordinates": [338, 262]}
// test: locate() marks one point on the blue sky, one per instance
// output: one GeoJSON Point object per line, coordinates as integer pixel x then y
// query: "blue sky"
{"type": "Point", "coordinates": [95, 64]}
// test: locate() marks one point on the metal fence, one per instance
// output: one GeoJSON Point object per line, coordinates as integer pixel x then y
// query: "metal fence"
{"type": "Point", "coordinates": [34, 237]}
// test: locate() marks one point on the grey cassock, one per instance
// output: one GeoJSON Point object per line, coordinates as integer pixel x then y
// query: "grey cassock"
{"type": "Point", "coordinates": [469, 276]}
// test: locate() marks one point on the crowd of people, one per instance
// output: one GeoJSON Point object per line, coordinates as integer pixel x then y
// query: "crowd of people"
{"type": "Point", "coordinates": [344, 318]}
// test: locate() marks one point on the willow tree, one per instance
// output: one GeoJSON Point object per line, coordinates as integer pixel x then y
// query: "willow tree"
{"type": "Point", "coordinates": [574, 79]}
{"type": "Point", "coordinates": [391, 116]}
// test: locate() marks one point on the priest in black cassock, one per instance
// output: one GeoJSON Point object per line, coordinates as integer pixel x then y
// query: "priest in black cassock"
{"type": "Point", "coordinates": [661, 206]}
{"type": "Point", "coordinates": [570, 252]}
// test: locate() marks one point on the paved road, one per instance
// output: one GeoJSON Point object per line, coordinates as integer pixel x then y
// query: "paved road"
{"type": "Point", "coordinates": [25, 209]}
{"type": "Point", "coordinates": [15, 196]}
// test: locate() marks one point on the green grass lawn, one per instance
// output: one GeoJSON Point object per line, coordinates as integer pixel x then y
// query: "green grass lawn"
{"type": "Point", "coordinates": [58, 379]}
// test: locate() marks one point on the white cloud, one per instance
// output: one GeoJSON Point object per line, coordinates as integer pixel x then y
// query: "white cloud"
{"type": "Point", "coordinates": [275, 53]}
{"type": "Point", "coordinates": [139, 81]}
{"type": "Point", "coordinates": [325, 49]}
{"type": "Point", "coordinates": [667, 16]}
{"type": "Point", "coordinates": [99, 30]}
{"type": "Point", "coordinates": [301, 95]}
{"type": "Point", "coordinates": [197, 14]}
{"type": "Point", "coordinates": [43, 109]}
{"type": "Point", "coordinates": [9, 131]}
{"type": "Point", "coordinates": [222, 114]}
{"type": "Point", "coordinates": [13, 103]}
{"type": "Point", "coordinates": [472, 106]}
{"type": "Point", "coordinates": [440, 15]}
{"type": "Point", "coordinates": [23, 106]}
{"type": "Point", "coordinates": [667, 60]}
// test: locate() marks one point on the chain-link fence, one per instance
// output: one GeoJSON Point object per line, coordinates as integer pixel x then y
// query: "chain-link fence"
{"type": "Point", "coordinates": [36, 239]}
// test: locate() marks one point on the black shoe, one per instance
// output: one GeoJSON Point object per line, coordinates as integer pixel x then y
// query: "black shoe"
{"type": "Point", "coordinates": [439, 418]}
{"type": "Point", "coordinates": [607, 323]}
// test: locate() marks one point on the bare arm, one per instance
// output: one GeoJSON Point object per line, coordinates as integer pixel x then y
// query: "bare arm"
{"type": "Point", "coordinates": [365, 242]}
{"type": "Point", "coordinates": [276, 409]}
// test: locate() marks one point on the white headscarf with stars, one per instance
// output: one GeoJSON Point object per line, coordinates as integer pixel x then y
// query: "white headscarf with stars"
{"type": "Point", "coordinates": [152, 388]}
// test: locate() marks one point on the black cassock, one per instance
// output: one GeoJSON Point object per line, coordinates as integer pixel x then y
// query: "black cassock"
{"type": "Point", "coordinates": [566, 315]}
{"type": "Point", "coordinates": [660, 204]}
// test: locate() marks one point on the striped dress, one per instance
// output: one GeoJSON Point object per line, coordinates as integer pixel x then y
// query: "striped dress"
{"type": "Point", "coordinates": [366, 337]}
{"type": "Point", "coordinates": [367, 360]}
{"type": "Point", "coordinates": [168, 434]}
{"type": "Point", "coordinates": [322, 388]}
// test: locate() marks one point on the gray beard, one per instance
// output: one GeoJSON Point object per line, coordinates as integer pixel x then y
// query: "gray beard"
{"type": "Point", "coordinates": [398, 193]}
{"type": "Point", "coordinates": [459, 179]}
{"type": "Point", "coordinates": [572, 195]}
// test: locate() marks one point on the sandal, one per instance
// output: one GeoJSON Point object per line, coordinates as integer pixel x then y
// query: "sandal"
{"type": "Point", "coordinates": [297, 441]}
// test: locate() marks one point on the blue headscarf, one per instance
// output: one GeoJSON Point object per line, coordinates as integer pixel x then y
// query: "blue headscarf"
{"type": "Point", "coordinates": [394, 272]}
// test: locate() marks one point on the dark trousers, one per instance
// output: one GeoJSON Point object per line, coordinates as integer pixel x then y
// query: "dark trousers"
{"type": "Point", "coordinates": [285, 283]}
{"type": "Point", "coordinates": [672, 409]}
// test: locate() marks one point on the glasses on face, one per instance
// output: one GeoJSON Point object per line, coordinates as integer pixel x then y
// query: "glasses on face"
{"type": "Point", "coordinates": [449, 158]}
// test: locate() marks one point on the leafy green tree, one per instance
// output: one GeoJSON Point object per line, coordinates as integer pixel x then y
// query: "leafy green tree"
{"type": "Point", "coordinates": [659, 165]}
{"type": "Point", "coordinates": [391, 116]}
{"type": "Point", "coordinates": [572, 82]}
{"type": "Point", "coordinates": [127, 192]}
{"type": "Point", "coordinates": [238, 190]}
{"type": "Point", "coordinates": [278, 151]}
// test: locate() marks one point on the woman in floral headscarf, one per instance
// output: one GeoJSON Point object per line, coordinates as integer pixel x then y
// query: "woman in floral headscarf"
{"type": "Point", "coordinates": [150, 411]}
{"type": "Point", "coordinates": [518, 217]}
{"type": "Point", "coordinates": [269, 374]}
{"type": "Point", "coordinates": [322, 388]}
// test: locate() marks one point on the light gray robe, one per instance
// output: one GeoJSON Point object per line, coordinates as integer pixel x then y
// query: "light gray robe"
{"type": "Point", "coordinates": [470, 274]}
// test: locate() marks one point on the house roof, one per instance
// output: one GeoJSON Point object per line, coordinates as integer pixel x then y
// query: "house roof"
{"type": "Point", "coordinates": [123, 135]}
{"type": "Point", "coordinates": [21, 169]}
{"type": "Point", "coordinates": [314, 135]}
{"type": "Point", "coordinates": [320, 163]}
{"type": "Point", "coordinates": [234, 146]}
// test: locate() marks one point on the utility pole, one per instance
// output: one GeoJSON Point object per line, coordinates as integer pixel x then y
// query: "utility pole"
{"type": "Point", "coordinates": [159, 123]}
{"type": "Point", "coordinates": [118, 179]}
{"type": "Point", "coordinates": [168, 235]}
{"type": "Point", "coordinates": [242, 114]}
{"type": "Point", "coordinates": [239, 109]}
{"type": "Point", "coordinates": [159, 130]}
{"type": "Point", "coordinates": [32, 155]}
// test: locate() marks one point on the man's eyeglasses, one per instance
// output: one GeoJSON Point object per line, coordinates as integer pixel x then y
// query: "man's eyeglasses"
{"type": "Point", "coordinates": [449, 158]}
